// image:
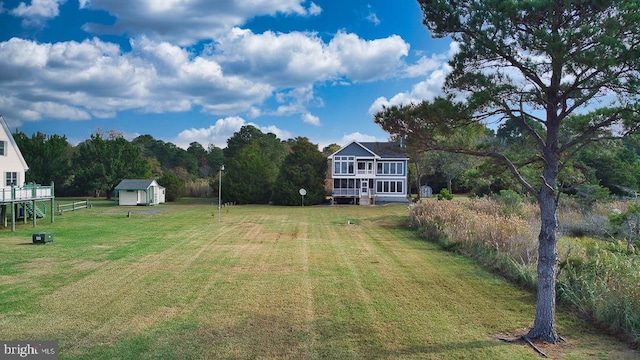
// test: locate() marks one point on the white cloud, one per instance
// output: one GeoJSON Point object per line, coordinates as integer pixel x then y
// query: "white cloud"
{"type": "Point", "coordinates": [308, 118]}
{"type": "Point", "coordinates": [38, 12]}
{"type": "Point", "coordinates": [218, 133]}
{"type": "Point", "coordinates": [454, 48]}
{"type": "Point", "coordinates": [373, 18]}
{"type": "Point", "coordinates": [424, 65]}
{"type": "Point", "coordinates": [280, 133]}
{"type": "Point", "coordinates": [427, 89]}
{"type": "Point", "coordinates": [314, 9]}
{"type": "Point", "coordinates": [297, 59]}
{"type": "Point", "coordinates": [254, 112]}
{"type": "Point", "coordinates": [235, 74]}
{"type": "Point", "coordinates": [287, 60]}
{"type": "Point", "coordinates": [356, 136]}
{"type": "Point", "coordinates": [187, 22]}
{"type": "Point", "coordinates": [368, 60]}
{"type": "Point", "coordinates": [296, 101]}
{"type": "Point", "coordinates": [94, 77]}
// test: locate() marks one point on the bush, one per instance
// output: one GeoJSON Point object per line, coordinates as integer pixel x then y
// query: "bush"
{"type": "Point", "coordinates": [445, 195]}
{"type": "Point", "coordinates": [174, 185]}
{"type": "Point", "coordinates": [510, 202]}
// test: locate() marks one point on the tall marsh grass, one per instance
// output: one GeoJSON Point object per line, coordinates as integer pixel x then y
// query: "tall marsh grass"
{"type": "Point", "coordinates": [599, 278]}
{"type": "Point", "coordinates": [507, 243]}
{"type": "Point", "coordinates": [602, 281]}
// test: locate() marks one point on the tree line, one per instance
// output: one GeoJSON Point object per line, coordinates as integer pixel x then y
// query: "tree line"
{"type": "Point", "coordinates": [259, 167]}
{"type": "Point", "coordinates": [602, 169]}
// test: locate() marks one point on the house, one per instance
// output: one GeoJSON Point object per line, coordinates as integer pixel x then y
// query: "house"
{"type": "Point", "coordinates": [12, 163]}
{"type": "Point", "coordinates": [368, 173]}
{"type": "Point", "coordinates": [17, 199]}
{"type": "Point", "coordinates": [140, 192]}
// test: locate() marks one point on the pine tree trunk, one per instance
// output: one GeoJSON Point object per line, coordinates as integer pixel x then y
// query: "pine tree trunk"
{"type": "Point", "coordinates": [544, 324]}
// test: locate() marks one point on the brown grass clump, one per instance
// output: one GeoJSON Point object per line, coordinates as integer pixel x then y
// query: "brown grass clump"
{"type": "Point", "coordinates": [477, 223]}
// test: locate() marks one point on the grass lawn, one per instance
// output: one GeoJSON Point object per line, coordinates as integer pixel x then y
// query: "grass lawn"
{"type": "Point", "coordinates": [343, 282]}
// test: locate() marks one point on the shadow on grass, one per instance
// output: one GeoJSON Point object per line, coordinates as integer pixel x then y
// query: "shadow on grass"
{"type": "Point", "coordinates": [446, 348]}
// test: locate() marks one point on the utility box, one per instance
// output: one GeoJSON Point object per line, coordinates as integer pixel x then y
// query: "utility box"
{"type": "Point", "coordinates": [42, 238]}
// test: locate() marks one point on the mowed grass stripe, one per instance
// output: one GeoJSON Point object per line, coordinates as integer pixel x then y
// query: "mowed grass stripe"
{"type": "Point", "coordinates": [127, 295]}
{"type": "Point", "coordinates": [266, 282]}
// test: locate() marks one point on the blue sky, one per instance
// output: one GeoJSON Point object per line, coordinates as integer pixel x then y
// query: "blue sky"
{"type": "Point", "coordinates": [198, 70]}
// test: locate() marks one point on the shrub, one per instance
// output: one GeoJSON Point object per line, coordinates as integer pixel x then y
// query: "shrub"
{"type": "Point", "coordinates": [510, 202]}
{"type": "Point", "coordinates": [445, 194]}
{"type": "Point", "coordinates": [175, 186]}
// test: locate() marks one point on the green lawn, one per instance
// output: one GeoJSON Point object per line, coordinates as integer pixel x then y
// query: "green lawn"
{"type": "Point", "coordinates": [344, 282]}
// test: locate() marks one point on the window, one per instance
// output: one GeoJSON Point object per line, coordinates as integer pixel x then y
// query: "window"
{"type": "Point", "coordinates": [11, 178]}
{"type": "Point", "coordinates": [344, 165]}
{"type": "Point", "coordinates": [389, 186]}
{"type": "Point", "coordinates": [3, 148]}
{"type": "Point", "coordinates": [390, 168]}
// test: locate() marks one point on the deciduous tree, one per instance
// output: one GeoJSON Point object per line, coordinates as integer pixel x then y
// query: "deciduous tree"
{"type": "Point", "coordinates": [101, 163]}
{"type": "Point", "coordinates": [304, 168]}
{"type": "Point", "coordinates": [48, 156]}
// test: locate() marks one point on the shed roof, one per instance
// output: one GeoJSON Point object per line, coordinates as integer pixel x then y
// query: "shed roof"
{"type": "Point", "coordinates": [135, 184]}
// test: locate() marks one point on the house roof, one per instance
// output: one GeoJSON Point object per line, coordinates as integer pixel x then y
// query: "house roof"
{"type": "Point", "coordinates": [12, 141]}
{"type": "Point", "coordinates": [136, 184]}
{"type": "Point", "coordinates": [384, 150]}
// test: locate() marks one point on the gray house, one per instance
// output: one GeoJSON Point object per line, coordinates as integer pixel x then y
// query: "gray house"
{"type": "Point", "coordinates": [140, 192]}
{"type": "Point", "coordinates": [369, 173]}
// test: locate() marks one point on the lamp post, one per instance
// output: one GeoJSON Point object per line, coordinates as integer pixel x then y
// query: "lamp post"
{"type": "Point", "coordinates": [220, 191]}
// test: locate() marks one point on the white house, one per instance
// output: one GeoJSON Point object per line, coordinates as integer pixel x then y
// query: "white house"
{"type": "Point", "coordinates": [17, 199]}
{"type": "Point", "coordinates": [12, 164]}
{"type": "Point", "coordinates": [140, 192]}
{"type": "Point", "coordinates": [370, 173]}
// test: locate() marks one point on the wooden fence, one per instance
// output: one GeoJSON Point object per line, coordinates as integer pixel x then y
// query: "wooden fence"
{"type": "Point", "coordinates": [76, 205]}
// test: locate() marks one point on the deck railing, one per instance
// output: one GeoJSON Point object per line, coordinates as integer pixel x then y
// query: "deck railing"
{"type": "Point", "coordinates": [26, 193]}
{"type": "Point", "coordinates": [346, 192]}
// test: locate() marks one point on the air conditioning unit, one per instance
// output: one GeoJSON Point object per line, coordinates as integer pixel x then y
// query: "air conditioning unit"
{"type": "Point", "coordinates": [42, 238]}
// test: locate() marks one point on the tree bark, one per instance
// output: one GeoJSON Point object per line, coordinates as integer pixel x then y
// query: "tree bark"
{"type": "Point", "coordinates": [544, 324]}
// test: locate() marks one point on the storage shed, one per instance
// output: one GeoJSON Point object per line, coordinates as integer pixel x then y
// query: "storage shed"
{"type": "Point", "coordinates": [140, 192]}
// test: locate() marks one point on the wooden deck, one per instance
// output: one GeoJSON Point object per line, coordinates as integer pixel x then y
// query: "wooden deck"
{"type": "Point", "coordinates": [16, 202]}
